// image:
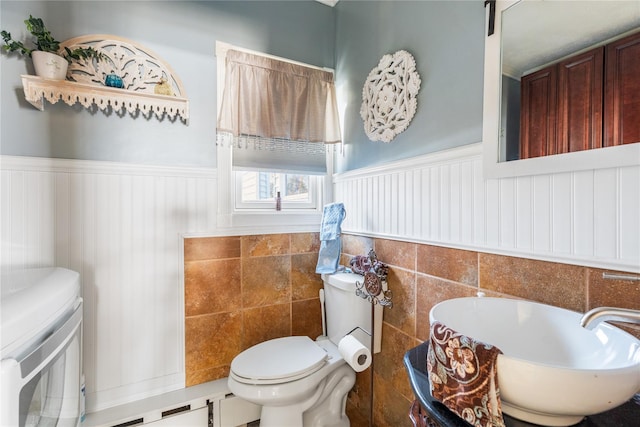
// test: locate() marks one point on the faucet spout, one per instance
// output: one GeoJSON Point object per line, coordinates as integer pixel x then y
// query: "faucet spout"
{"type": "Point", "coordinates": [602, 314]}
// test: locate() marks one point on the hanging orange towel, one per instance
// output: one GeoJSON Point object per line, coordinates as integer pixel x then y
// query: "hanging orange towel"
{"type": "Point", "coordinates": [463, 376]}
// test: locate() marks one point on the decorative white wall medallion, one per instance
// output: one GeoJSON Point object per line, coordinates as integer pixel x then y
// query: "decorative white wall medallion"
{"type": "Point", "coordinates": [389, 96]}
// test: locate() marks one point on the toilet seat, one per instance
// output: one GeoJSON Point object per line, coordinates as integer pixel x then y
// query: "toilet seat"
{"type": "Point", "coordinates": [278, 361]}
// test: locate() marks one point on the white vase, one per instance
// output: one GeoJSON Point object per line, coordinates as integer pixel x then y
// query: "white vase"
{"type": "Point", "coordinates": [49, 65]}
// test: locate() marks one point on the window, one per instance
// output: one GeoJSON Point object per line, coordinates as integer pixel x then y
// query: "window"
{"type": "Point", "coordinates": [258, 190]}
{"type": "Point", "coordinates": [275, 119]}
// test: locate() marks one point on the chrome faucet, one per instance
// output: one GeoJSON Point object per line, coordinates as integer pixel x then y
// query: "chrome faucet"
{"type": "Point", "coordinates": [602, 314]}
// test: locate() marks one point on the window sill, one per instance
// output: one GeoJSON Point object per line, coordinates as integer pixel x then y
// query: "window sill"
{"type": "Point", "coordinates": [259, 221]}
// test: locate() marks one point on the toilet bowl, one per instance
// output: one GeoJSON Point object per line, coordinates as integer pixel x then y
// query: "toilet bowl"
{"type": "Point", "coordinates": [297, 381]}
{"type": "Point", "coordinates": [300, 382]}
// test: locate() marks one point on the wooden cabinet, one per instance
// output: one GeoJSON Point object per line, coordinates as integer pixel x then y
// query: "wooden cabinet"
{"type": "Point", "coordinates": [538, 113]}
{"type": "Point", "coordinates": [622, 92]}
{"type": "Point", "coordinates": [580, 102]}
{"type": "Point", "coordinates": [590, 100]}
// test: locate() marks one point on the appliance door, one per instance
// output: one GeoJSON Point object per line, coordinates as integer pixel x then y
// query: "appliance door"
{"type": "Point", "coordinates": [42, 388]}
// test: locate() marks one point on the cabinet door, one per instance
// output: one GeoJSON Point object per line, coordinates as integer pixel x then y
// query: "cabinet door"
{"type": "Point", "coordinates": [622, 91]}
{"type": "Point", "coordinates": [538, 113]}
{"type": "Point", "coordinates": [580, 102]}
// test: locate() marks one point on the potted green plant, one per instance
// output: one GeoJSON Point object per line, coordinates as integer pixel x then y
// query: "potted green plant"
{"type": "Point", "coordinates": [48, 61]}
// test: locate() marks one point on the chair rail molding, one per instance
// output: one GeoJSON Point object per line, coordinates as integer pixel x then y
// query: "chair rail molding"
{"type": "Point", "coordinates": [587, 217]}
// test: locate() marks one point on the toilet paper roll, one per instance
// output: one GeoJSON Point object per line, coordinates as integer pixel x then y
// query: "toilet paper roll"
{"type": "Point", "coordinates": [354, 353]}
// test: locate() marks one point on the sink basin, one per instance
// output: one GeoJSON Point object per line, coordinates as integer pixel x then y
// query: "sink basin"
{"type": "Point", "coordinates": [552, 371]}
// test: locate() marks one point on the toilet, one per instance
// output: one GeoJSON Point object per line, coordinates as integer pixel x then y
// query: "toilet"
{"type": "Point", "coordinates": [301, 382]}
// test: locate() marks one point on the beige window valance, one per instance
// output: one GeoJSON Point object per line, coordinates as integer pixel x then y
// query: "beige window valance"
{"type": "Point", "coordinates": [267, 98]}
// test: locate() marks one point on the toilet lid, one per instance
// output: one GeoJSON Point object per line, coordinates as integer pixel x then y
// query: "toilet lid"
{"type": "Point", "coordinates": [279, 360]}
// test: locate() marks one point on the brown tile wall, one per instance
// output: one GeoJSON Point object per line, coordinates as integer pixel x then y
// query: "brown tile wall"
{"type": "Point", "coordinates": [422, 275]}
{"type": "Point", "coordinates": [242, 290]}
{"type": "Point", "coordinates": [232, 284]}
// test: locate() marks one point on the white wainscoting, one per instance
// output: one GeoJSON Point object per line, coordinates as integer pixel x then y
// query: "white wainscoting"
{"type": "Point", "coordinates": [587, 218]}
{"type": "Point", "coordinates": [120, 226]}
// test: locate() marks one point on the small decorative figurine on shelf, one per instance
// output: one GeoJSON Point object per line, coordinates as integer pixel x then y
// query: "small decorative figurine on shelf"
{"type": "Point", "coordinates": [163, 88]}
{"type": "Point", "coordinates": [114, 80]}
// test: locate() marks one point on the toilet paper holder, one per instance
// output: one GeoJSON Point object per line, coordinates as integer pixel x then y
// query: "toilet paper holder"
{"type": "Point", "coordinates": [366, 332]}
{"type": "Point", "coordinates": [354, 329]}
{"type": "Point", "coordinates": [362, 358]}
{"type": "Point", "coordinates": [373, 290]}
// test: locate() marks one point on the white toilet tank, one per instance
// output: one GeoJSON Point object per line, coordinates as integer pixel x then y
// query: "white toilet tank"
{"type": "Point", "coordinates": [345, 310]}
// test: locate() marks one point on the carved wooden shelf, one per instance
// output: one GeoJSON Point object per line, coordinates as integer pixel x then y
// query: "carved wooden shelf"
{"type": "Point", "coordinates": [37, 89]}
{"type": "Point", "coordinates": [140, 70]}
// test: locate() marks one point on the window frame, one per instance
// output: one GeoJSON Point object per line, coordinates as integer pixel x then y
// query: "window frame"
{"type": "Point", "coordinates": [290, 219]}
{"type": "Point", "coordinates": [315, 183]}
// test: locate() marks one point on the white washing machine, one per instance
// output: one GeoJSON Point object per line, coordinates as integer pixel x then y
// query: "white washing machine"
{"type": "Point", "coordinates": [41, 357]}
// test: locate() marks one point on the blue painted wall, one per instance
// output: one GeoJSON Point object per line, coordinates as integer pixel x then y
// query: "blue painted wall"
{"type": "Point", "coordinates": [446, 39]}
{"type": "Point", "coordinates": [183, 33]}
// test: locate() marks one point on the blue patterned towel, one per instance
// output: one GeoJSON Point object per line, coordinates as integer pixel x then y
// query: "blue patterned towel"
{"type": "Point", "coordinates": [329, 256]}
{"type": "Point", "coordinates": [332, 216]}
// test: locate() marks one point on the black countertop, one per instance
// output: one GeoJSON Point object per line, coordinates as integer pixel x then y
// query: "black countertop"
{"type": "Point", "coordinates": [415, 361]}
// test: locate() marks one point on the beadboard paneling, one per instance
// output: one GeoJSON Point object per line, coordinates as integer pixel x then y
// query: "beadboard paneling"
{"type": "Point", "coordinates": [120, 226]}
{"type": "Point", "coordinates": [585, 218]}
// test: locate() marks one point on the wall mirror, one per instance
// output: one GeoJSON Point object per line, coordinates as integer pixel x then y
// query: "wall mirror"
{"type": "Point", "coordinates": [530, 35]}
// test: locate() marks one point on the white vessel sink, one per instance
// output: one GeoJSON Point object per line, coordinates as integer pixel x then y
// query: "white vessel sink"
{"type": "Point", "coordinates": [552, 371]}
